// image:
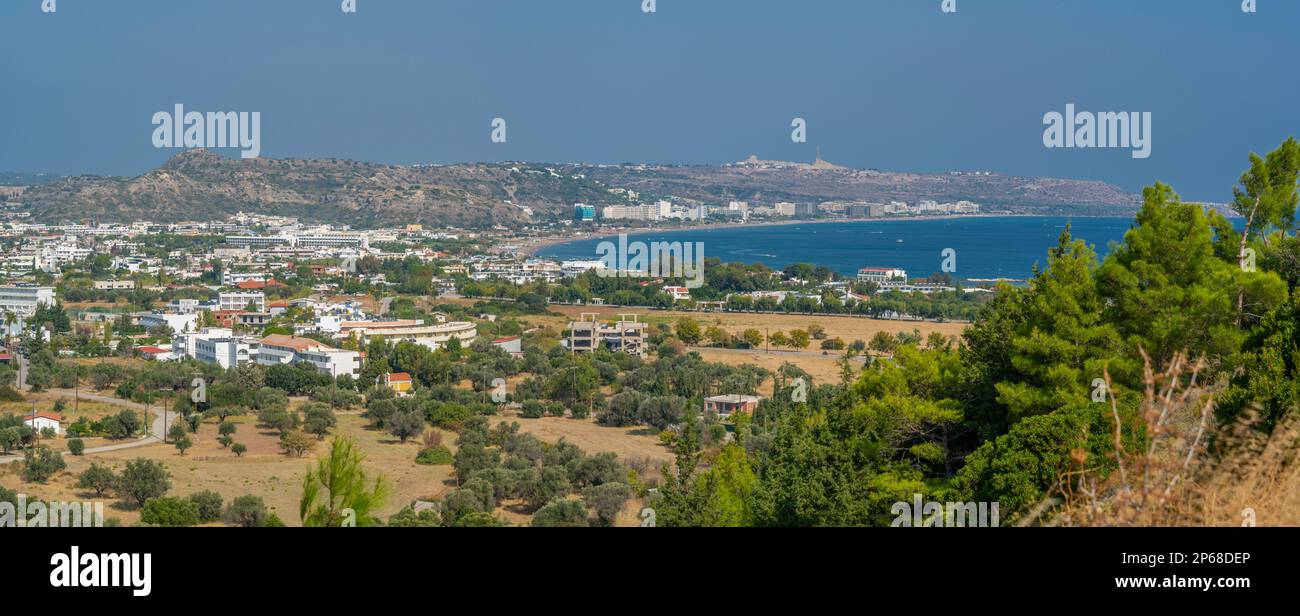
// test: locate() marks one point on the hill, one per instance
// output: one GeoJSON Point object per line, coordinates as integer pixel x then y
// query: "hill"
{"type": "Point", "coordinates": [202, 185]}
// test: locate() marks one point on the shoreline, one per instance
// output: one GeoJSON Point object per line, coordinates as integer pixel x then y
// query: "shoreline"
{"type": "Point", "coordinates": [531, 248]}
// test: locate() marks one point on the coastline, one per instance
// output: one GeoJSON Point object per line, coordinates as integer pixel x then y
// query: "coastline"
{"type": "Point", "coordinates": [532, 247]}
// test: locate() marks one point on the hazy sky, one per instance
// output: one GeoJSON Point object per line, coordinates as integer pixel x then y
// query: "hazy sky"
{"type": "Point", "coordinates": [887, 84]}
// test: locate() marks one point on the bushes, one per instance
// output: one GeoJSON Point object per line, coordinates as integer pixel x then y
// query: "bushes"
{"type": "Point", "coordinates": [561, 512]}
{"type": "Point", "coordinates": [408, 517]}
{"type": "Point", "coordinates": [42, 464]}
{"type": "Point", "coordinates": [608, 500]}
{"type": "Point", "coordinates": [247, 511]}
{"type": "Point", "coordinates": [169, 511]}
{"type": "Point", "coordinates": [76, 446]}
{"type": "Point", "coordinates": [208, 504]}
{"type": "Point", "coordinates": [532, 409]}
{"type": "Point", "coordinates": [434, 456]}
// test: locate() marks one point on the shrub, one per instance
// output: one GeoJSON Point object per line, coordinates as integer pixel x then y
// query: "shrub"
{"type": "Point", "coordinates": [144, 479]}
{"type": "Point", "coordinates": [247, 511]}
{"type": "Point", "coordinates": [434, 456]}
{"type": "Point", "coordinates": [169, 511]}
{"type": "Point", "coordinates": [208, 504]}
{"type": "Point", "coordinates": [42, 464]}
{"type": "Point", "coordinates": [532, 409]}
{"type": "Point", "coordinates": [561, 512]}
{"type": "Point", "coordinates": [98, 477]}
{"type": "Point", "coordinates": [76, 446]}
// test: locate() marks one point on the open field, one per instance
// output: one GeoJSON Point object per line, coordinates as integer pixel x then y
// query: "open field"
{"type": "Point", "coordinates": [262, 471]}
{"type": "Point", "coordinates": [630, 443]}
{"type": "Point", "coordinates": [848, 328]}
{"type": "Point", "coordinates": [822, 368]}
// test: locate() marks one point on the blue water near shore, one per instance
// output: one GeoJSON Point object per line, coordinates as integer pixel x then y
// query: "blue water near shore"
{"type": "Point", "coordinates": [986, 247]}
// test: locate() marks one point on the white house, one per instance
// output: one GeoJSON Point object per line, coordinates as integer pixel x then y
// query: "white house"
{"type": "Point", "coordinates": [44, 419]}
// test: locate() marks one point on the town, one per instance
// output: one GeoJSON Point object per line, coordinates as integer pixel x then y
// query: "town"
{"type": "Point", "coordinates": [248, 338]}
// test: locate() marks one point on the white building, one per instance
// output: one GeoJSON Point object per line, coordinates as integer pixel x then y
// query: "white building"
{"type": "Point", "coordinates": [431, 336]}
{"type": "Point", "coordinates": [179, 323]}
{"type": "Point", "coordinates": [44, 419]}
{"type": "Point", "coordinates": [678, 293]}
{"type": "Point", "coordinates": [218, 345]}
{"type": "Point", "coordinates": [881, 275]}
{"type": "Point", "coordinates": [225, 351]}
{"type": "Point", "coordinates": [281, 349]}
{"type": "Point", "coordinates": [240, 300]}
{"type": "Point", "coordinates": [23, 300]}
{"type": "Point", "coordinates": [114, 285]}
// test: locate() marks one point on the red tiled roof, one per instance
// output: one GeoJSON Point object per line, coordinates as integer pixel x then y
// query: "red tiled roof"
{"type": "Point", "coordinates": [47, 415]}
{"type": "Point", "coordinates": [151, 349]}
{"type": "Point", "coordinates": [294, 342]}
{"type": "Point", "coordinates": [398, 377]}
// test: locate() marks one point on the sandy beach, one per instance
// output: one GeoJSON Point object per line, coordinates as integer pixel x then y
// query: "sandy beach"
{"type": "Point", "coordinates": [531, 247]}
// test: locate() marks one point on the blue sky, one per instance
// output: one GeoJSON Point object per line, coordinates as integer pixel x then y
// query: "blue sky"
{"type": "Point", "coordinates": [887, 84]}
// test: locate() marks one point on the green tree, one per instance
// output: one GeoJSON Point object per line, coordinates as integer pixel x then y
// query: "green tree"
{"type": "Point", "coordinates": [143, 479]}
{"type": "Point", "coordinates": [1167, 291]}
{"type": "Point", "coordinates": [208, 505]}
{"type": "Point", "coordinates": [339, 490]}
{"type": "Point", "coordinates": [319, 418]}
{"type": "Point", "coordinates": [98, 478]}
{"type": "Point", "coordinates": [561, 512]}
{"type": "Point", "coordinates": [1062, 343]}
{"type": "Point", "coordinates": [248, 511]}
{"type": "Point", "coordinates": [406, 424]}
{"type": "Point", "coordinates": [40, 465]}
{"type": "Point", "coordinates": [688, 330]}
{"type": "Point", "coordinates": [1266, 196]}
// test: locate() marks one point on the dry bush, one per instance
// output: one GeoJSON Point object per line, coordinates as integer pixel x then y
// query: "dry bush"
{"type": "Point", "coordinates": [1178, 478]}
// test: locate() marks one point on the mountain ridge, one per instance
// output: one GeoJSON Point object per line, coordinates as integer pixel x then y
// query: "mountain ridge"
{"type": "Point", "coordinates": [202, 185]}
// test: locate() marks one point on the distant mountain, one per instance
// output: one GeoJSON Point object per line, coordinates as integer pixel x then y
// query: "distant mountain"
{"type": "Point", "coordinates": [10, 178]}
{"type": "Point", "coordinates": [202, 185]}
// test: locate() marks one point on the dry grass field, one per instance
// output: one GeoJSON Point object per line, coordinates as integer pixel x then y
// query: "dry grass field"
{"type": "Point", "coordinates": [262, 471]}
{"type": "Point", "coordinates": [631, 444]}
{"type": "Point", "coordinates": [848, 328]}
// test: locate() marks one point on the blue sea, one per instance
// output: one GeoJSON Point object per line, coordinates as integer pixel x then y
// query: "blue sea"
{"type": "Point", "coordinates": [986, 247]}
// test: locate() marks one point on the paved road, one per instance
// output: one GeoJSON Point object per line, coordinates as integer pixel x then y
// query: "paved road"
{"type": "Point", "coordinates": [156, 430]}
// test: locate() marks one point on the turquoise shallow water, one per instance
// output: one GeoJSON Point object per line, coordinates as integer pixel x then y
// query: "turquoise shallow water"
{"type": "Point", "coordinates": [992, 247]}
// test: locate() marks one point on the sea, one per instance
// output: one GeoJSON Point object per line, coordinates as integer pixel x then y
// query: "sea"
{"type": "Point", "coordinates": [982, 247]}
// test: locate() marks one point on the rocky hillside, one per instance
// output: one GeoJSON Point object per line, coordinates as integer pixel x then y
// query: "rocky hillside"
{"type": "Point", "coordinates": [202, 185]}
